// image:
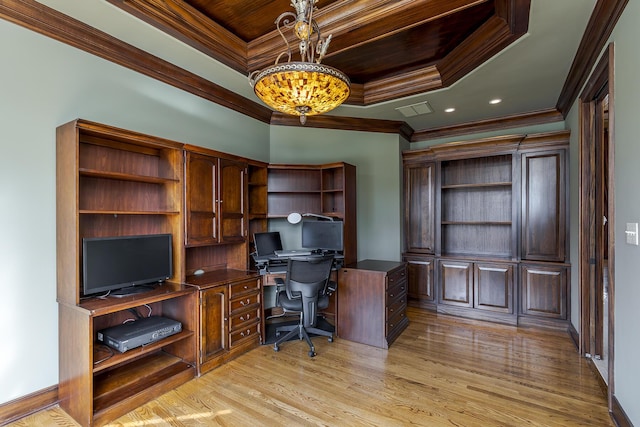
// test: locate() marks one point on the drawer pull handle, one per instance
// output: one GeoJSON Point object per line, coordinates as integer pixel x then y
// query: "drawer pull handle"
{"type": "Point", "coordinates": [248, 317]}
{"type": "Point", "coordinates": [246, 334]}
{"type": "Point", "coordinates": [246, 287]}
{"type": "Point", "coordinates": [243, 303]}
{"type": "Point", "coordinates": [391, 295]}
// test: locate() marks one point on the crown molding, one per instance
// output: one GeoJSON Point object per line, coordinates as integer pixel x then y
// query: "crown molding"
{"type": "Point", "coordinates": [603, 19]}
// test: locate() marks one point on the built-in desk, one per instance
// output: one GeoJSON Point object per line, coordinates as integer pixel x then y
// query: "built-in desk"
{"type": "Point", "coordinates": [372, 302]}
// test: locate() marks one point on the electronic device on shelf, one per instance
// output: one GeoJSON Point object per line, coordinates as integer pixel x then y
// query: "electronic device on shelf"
{"type": "Point", "coordinates": [138, 333]}
{"type": "Point", "coordinates": [125, 265]}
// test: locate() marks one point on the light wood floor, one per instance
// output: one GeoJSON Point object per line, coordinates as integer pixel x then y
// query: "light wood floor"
{"type": "Point", "coordinates": [442, 371]}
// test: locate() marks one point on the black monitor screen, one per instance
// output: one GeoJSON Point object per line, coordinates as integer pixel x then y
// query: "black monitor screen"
{"type": "Point", "coordinates": [267, 243]}
{"type": "Point", "coordinates": [325, 235]}
{"type": "Point", "coordinates": [110, 263]}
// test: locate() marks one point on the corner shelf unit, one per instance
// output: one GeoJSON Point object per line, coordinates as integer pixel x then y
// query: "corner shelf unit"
{"type": "Point", "coordinates": [112, 182]}
{"type": "Point", "coordinates": [327, 189]}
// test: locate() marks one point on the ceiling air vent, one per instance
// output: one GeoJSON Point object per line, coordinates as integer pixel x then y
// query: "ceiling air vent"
{"type": "Point", "coordinates": [415, 109]}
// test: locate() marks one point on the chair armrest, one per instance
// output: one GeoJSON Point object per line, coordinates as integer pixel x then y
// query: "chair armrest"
{"type": "Point", "coordinates": [279, 281]}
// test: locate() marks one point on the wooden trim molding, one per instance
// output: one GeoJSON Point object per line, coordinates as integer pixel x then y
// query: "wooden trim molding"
{"type": "Point", "coordinates": [603, 19]}
{"type": "Point", "coordinates": [190, 26]}
{"type": "Point", "coordinates": [51, 23]}
{"type": "Point", "coordinates": [500, 123]}
{"type": "Point", "coordinates": [346, 123]}
{"type": "Point", "coordinates": [29, 404]}
{"type": "Point", "coordinates": [618, 415]}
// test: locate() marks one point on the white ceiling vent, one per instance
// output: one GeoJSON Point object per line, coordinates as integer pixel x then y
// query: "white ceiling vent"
{"type": "Point", "coordinates": [415, 109]}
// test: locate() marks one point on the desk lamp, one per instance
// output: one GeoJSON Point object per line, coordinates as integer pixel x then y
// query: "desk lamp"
{"type": "Point", "coordinates": [295, 217]}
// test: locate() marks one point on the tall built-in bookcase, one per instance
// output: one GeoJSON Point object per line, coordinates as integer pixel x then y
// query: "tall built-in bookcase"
{"type": "Point", "coordinates": [112, 182]}
{"type": "Point", "coordinates": [486, 228]}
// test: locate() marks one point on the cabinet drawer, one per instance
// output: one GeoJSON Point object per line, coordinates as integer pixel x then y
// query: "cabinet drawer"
{"type": "Point", "coordinates": [243, 303]}
{"type": "Point", "coordinates": [395, 320]}
{"type": "Point", "coordinates": [241, 318]}
{"type": "Point", "coordinates": [242, 334]}
{"type": "Point", "coordinates": [395, 277]}
{"type": "Point", "coordinates": [244, 287]}
{"type": "Point", "coordinates": [397, 306]}
{"type": "Point", "coordinates": [397, 292]}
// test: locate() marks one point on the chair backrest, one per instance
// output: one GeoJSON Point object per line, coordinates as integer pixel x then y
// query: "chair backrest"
{"type": "Point", "coordinates": [307, 278]}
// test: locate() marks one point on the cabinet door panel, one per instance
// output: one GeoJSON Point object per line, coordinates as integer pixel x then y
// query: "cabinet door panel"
{"type": "Point", "coordinates": [544, 291]}
{"type": "Point", "coordinates": [420, 278]}
{"type": "Point", "coordinates": [213, 323]}
{"type": "Point", "coordinates": [455, 283]}
{"type": "Point", "coordinates": [493, 287]}
{"type": "Point", "coordinates": [543, 206]}
{"type": "Point", "coordinates": [419, 207]}
{"type": "Point", "coordinates": [232, 201]}
{"type": "Point", "coordinates": [201, 200]}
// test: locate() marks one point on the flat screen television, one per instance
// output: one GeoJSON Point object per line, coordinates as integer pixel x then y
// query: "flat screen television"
{"type": "Point", "coordinates": [125, 265]}
{"type": "Point", "coordinates": [323, 235]}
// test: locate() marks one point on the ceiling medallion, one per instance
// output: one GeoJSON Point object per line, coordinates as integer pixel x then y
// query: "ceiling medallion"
{"type": "Point", "coordinates": [302, 88]}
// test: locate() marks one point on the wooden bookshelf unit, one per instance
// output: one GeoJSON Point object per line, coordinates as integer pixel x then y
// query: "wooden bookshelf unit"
{"type": "Point", "coordinates": [112, 182]}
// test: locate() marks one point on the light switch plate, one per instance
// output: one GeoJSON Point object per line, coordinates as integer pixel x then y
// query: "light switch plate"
{"type": "Point", "coordinates": [632, 233]}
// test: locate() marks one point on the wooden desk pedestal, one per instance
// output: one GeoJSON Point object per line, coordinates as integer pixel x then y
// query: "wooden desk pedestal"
{"type": "Point", "coordinates": [372, 302]}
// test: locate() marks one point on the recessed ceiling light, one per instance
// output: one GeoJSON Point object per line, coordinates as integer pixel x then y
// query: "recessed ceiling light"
{"type": "Point", "coordinates": [495, 101]}
{"type": "Point", "coordinates": [449, 110]}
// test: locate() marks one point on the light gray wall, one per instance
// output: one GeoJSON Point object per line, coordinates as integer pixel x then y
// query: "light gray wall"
{"type": "Point", "coordinates": [627, 207]}
{"type": "Point", "coordinates": [44, 84]}
{"type": "Point", "coordinates": [378, 181]}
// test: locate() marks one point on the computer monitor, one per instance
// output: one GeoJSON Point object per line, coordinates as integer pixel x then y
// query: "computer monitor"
{"type": "Point", "coordinates": [324, 235]}
{"type": "Point", "coordinates": [267, 243]}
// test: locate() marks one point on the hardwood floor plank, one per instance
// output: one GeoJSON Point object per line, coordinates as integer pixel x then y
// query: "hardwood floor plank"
{"type": "Point", "coordinates": [442, 371]}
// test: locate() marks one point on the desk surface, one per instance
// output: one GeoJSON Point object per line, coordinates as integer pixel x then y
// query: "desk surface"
{"type": "Point", "coordinates": [375, 265]}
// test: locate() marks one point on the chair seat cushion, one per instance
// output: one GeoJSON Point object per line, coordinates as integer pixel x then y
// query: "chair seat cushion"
{"type": "Point", "coordinates": [296, 303]}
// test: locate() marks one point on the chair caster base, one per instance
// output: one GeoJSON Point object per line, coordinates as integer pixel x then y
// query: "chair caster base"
{"type": "Point", "coordinates": [330, 339]}
{"type": "Point", "coordinates": [276, 348]}
{"type": "Point", "coordinates": [312, 354]}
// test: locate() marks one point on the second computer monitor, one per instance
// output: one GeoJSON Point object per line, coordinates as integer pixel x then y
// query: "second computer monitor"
{"type": "Point", "coordinates": [324, 235]}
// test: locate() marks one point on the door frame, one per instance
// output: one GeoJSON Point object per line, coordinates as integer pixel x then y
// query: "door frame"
{"type": "Point", "coordinates": [601, 81]}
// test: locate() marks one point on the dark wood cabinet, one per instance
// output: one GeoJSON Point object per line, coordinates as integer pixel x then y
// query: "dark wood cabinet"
{"type": "Point", "coordinates": [544, 205]}
{"type": "Point", "coordinates": [420, 284]}
{"type": "Point", "coordinates": [230, 307]}
{"type": "Point", "coordinates": [493, 286]}
{"type": "Point", "coordinates": [214, 332]}
{"type": "Point", "coordinates": [215, 200]}
{"type": "Point", "coordinates": [544, 290]}
{"type": "Point", "coordinates": [419, 194]}
{"type": "Point", "coordinates": [497, 205]}
{"type": "Point", "coordinates": [456, 283]}
{"type": "Point", "coordinates": [372, 302]}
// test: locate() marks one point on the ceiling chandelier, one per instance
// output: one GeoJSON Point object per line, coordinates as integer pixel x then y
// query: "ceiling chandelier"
{"type": "Point", "coordinates": [302, 88]}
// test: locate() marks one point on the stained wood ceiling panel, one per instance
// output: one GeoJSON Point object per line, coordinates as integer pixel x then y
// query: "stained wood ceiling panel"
{"type": "Point", "coordinates": [386, 47]}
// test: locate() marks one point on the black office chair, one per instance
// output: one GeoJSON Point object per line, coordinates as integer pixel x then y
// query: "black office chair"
{"type": "Point", "coordinates": [306, 290]}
